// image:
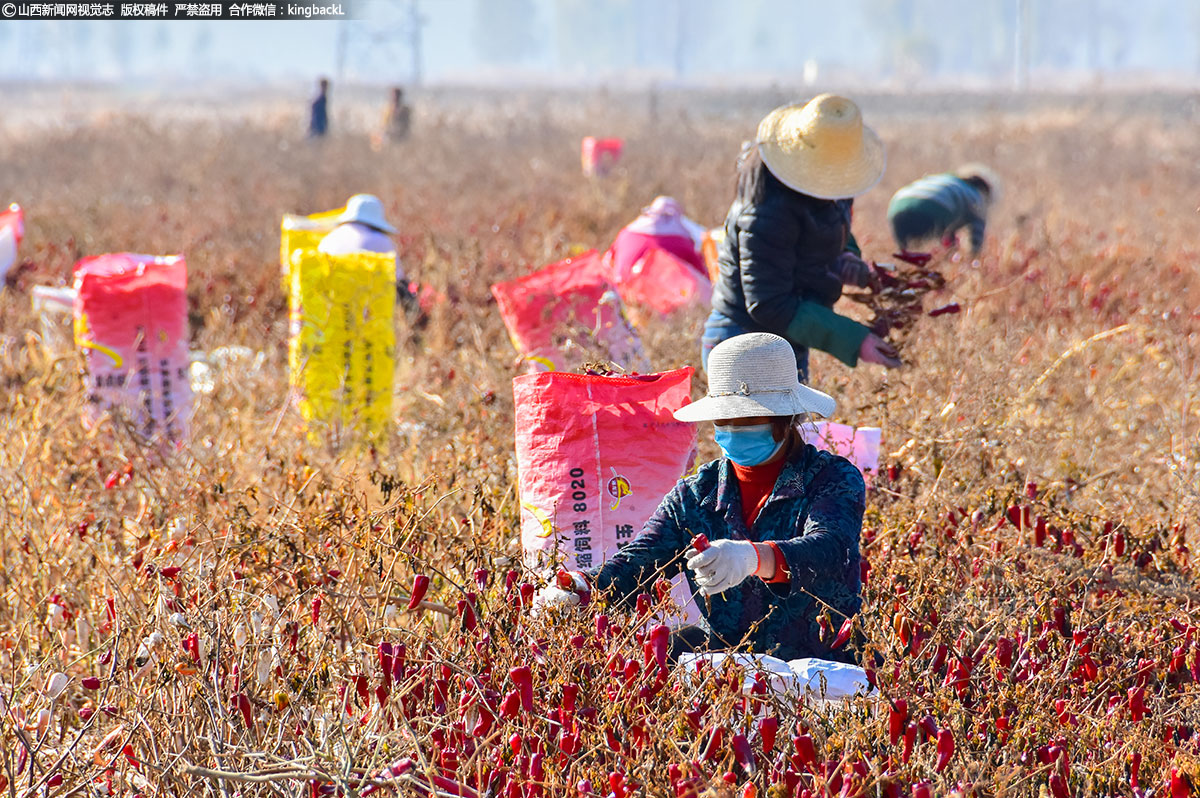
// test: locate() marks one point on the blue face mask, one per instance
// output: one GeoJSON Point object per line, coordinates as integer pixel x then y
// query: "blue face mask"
{"type": "Point", "coordinates": [749, 445]}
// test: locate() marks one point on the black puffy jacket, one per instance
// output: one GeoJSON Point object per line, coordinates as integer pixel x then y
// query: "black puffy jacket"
{"type": "Point", "coordinates": [776, 269]}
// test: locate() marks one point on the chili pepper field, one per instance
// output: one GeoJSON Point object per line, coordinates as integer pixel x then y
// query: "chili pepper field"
{"type": "Point", "coordinates": [231, 619]}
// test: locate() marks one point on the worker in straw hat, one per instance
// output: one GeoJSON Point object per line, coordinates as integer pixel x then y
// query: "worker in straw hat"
{"type": "Point", "coordinates": [788, 249]}
{"type": "Point", "coordinates": [782, 519]}
{"type": "Point", "coordinates": [938, 206]}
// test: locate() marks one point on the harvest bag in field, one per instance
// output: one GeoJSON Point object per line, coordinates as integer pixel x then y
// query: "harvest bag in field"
{"type": "Point", "coordinates": [341, 351]}
{"type": "Point", "coordinates": [55, 309]}
{"type": "Point", "coordinates": [12, 230]}
{"type": "Point", "coordinates": [302, 232]}
{"type": "Point", "coordinates": [663, 283]}
{"type": "Point", "coordinates": [808, 677]}
{"type": "Point", "coordinates": [567, 314]}
{"type": "Point", "coordinates": [131, 320]}
{"type": "Point", "coordinates": [599, 156]}
{"type": "Point", "coordinates": [859, 446]}
{"type": "Point", "coordinates": [595, 456]}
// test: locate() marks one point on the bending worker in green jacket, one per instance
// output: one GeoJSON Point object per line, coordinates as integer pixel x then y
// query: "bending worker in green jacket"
{"type": "Point", "coordinates": [788, 250]}
{"type": "Point", "coordinates": [938, 206]}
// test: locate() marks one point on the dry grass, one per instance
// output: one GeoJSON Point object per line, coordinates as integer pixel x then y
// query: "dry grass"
{"type": "Point", "coordinates": [1095, 233]}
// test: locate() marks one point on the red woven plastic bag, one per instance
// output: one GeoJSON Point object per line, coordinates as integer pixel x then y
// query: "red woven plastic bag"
{"type": "Point", "coordinates": [568, 314]}
{"type": "Point", "coordinates": [664, 283]}
{"type": "Point", "coordinates": [131, 320]}
{"type": "Point", "coordinates": [595, 456]}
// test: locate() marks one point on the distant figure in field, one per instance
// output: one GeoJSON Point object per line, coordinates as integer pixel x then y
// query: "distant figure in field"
{"type": "Point", "coordinates": [661, 225]}
{"type": "Point", "coordinates": [362, 227]}
{"type": "Point", "coordinates": [318, 120]}
{"type": "Point", "coordinates": [397, 120]}
{"type": "Point", "coordinates": [936, 206]}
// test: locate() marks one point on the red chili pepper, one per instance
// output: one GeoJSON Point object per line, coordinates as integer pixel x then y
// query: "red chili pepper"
{"type": "Point", "coordinates": [897, 718]}
{"type": "Point", "coordinates": [316, 610]}
{"type": "Point", "coordinates": [385, 661]}
{"type": "Point", "coordinates": [700, 542]}
{"type": "Point", "coordinates": [243, 705]}
{"type": "Point", "coordinates": [921, 790]}
{"type": "Point", "coordinates": [484, 723]}
{"type": "Point", "coordinates": [90, 683]}
{"type": "Point", "coordinates": [915, 258]}
{"type": "Point", "coordinates": [1058, 787]}
{"type": "Point", "coordinates": [768, 727]}
{"type": "Point", "coordinates": [743, 753]}
{"type": "Point", "coordinates": [1135, 765]}
{"type": "Point", "coordinates": [945, 749]}
{"type": "Point", "coordinates": [1137, 702]}
{"type": "Point", "coordinates": [399, 655]}
{"type": "Point", "coordinates": [360, 687]}
{"type": "Point", "coordinates": [419, 588]}
{"type": "Point", "coordinates": [843, 634]}
{"type": "Point", "coordinates": [660, 636]}
{"type": "Point", "coordinates": [1004, 651]}
{"type": "Point", "coordinates": [170, 572]}
{"type": "Point", "coordinates": [570, 695]}
{"type": "Point", "coordinates": [466, 615]}
{"type": "Point", "coordinates": [953, 307]}
{"type": "Point", "coordinates": [939, 658]}
{"type": "Point", "coordinates": [616, 783]}
{"type": "Point", "coordinates": [522, 677]}
{"type": "Point", "coordinates": [714, 743]}
{"type": "Point", "coordinates": [806, 752]}
{"type": "Point", "coordinates": [910, 737]}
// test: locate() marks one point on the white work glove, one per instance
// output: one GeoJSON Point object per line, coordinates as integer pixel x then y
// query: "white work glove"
{"type": "Point", "coordinates": [722, 565]}
{"type": "Point", "coordinates": [569, 589]}
{"type": "Point", "coordinates": [876, 350]}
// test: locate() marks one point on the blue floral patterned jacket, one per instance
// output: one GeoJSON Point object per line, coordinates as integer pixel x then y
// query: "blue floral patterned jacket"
{"type": "Point", "coordinates": [814, 514]}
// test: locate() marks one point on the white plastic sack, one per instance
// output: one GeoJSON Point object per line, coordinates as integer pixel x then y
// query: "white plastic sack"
{"type": "Point", "coordinates": [55, 309]}
{"type": "Point", "coordinates": [859, 446]}
{"type": "Point", "coordinates": [809, 677]}
{"type": "Point", "coordinates": [8, 252]}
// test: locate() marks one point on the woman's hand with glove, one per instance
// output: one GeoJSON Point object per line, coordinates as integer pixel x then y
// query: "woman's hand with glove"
{"type": "Point", "coordinates": [876, 350]}
{"type": "Point", "coordinates": [853, 270]}
{"type": "Point", "coordinates": [569, 589]}
{"type": "Point", "coordinates": [723, 564]}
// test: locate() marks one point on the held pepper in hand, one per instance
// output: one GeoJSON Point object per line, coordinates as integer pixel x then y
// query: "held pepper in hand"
{"type": "Point", "coordinates": [723, 564]}
{"type": "Point", "coordinates": [570, 589]}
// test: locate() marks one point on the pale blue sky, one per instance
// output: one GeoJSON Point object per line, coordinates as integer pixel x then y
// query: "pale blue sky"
{"type": "Point", "coordinates": [690, 40]}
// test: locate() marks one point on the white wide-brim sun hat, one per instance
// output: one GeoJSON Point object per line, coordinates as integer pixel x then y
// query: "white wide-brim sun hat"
{"type": "Point", "coordinates": [366, 209]}
{"type": "Point", "coordinates": [755, 375]}
{"type": "Point", "coordinates": [822, 148]}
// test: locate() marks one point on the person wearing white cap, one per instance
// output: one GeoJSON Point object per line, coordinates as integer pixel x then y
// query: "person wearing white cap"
{"type": "Point", "coordinates": [782, 571]}
{"type": "Point", "coordinates": [788, 249]}
{"type": "Point", "coordinates": [362, 227]}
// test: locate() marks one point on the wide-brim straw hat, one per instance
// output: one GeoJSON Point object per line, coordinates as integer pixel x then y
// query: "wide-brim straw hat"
{"type": "Point", "coordinates": [366, 209]}
{"type": "Point", "coordinates": [822, 148]}
{"type": "Point", "coordinates": [755, 375]}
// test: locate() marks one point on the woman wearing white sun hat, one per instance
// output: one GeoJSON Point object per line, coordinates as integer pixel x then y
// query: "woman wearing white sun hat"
{"type": "Point", "coordinates": [788, 249]}
{"type": "Point", "coordinates": [782, 518]}
{"type": "Point", "coordinates": [362, 227]}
